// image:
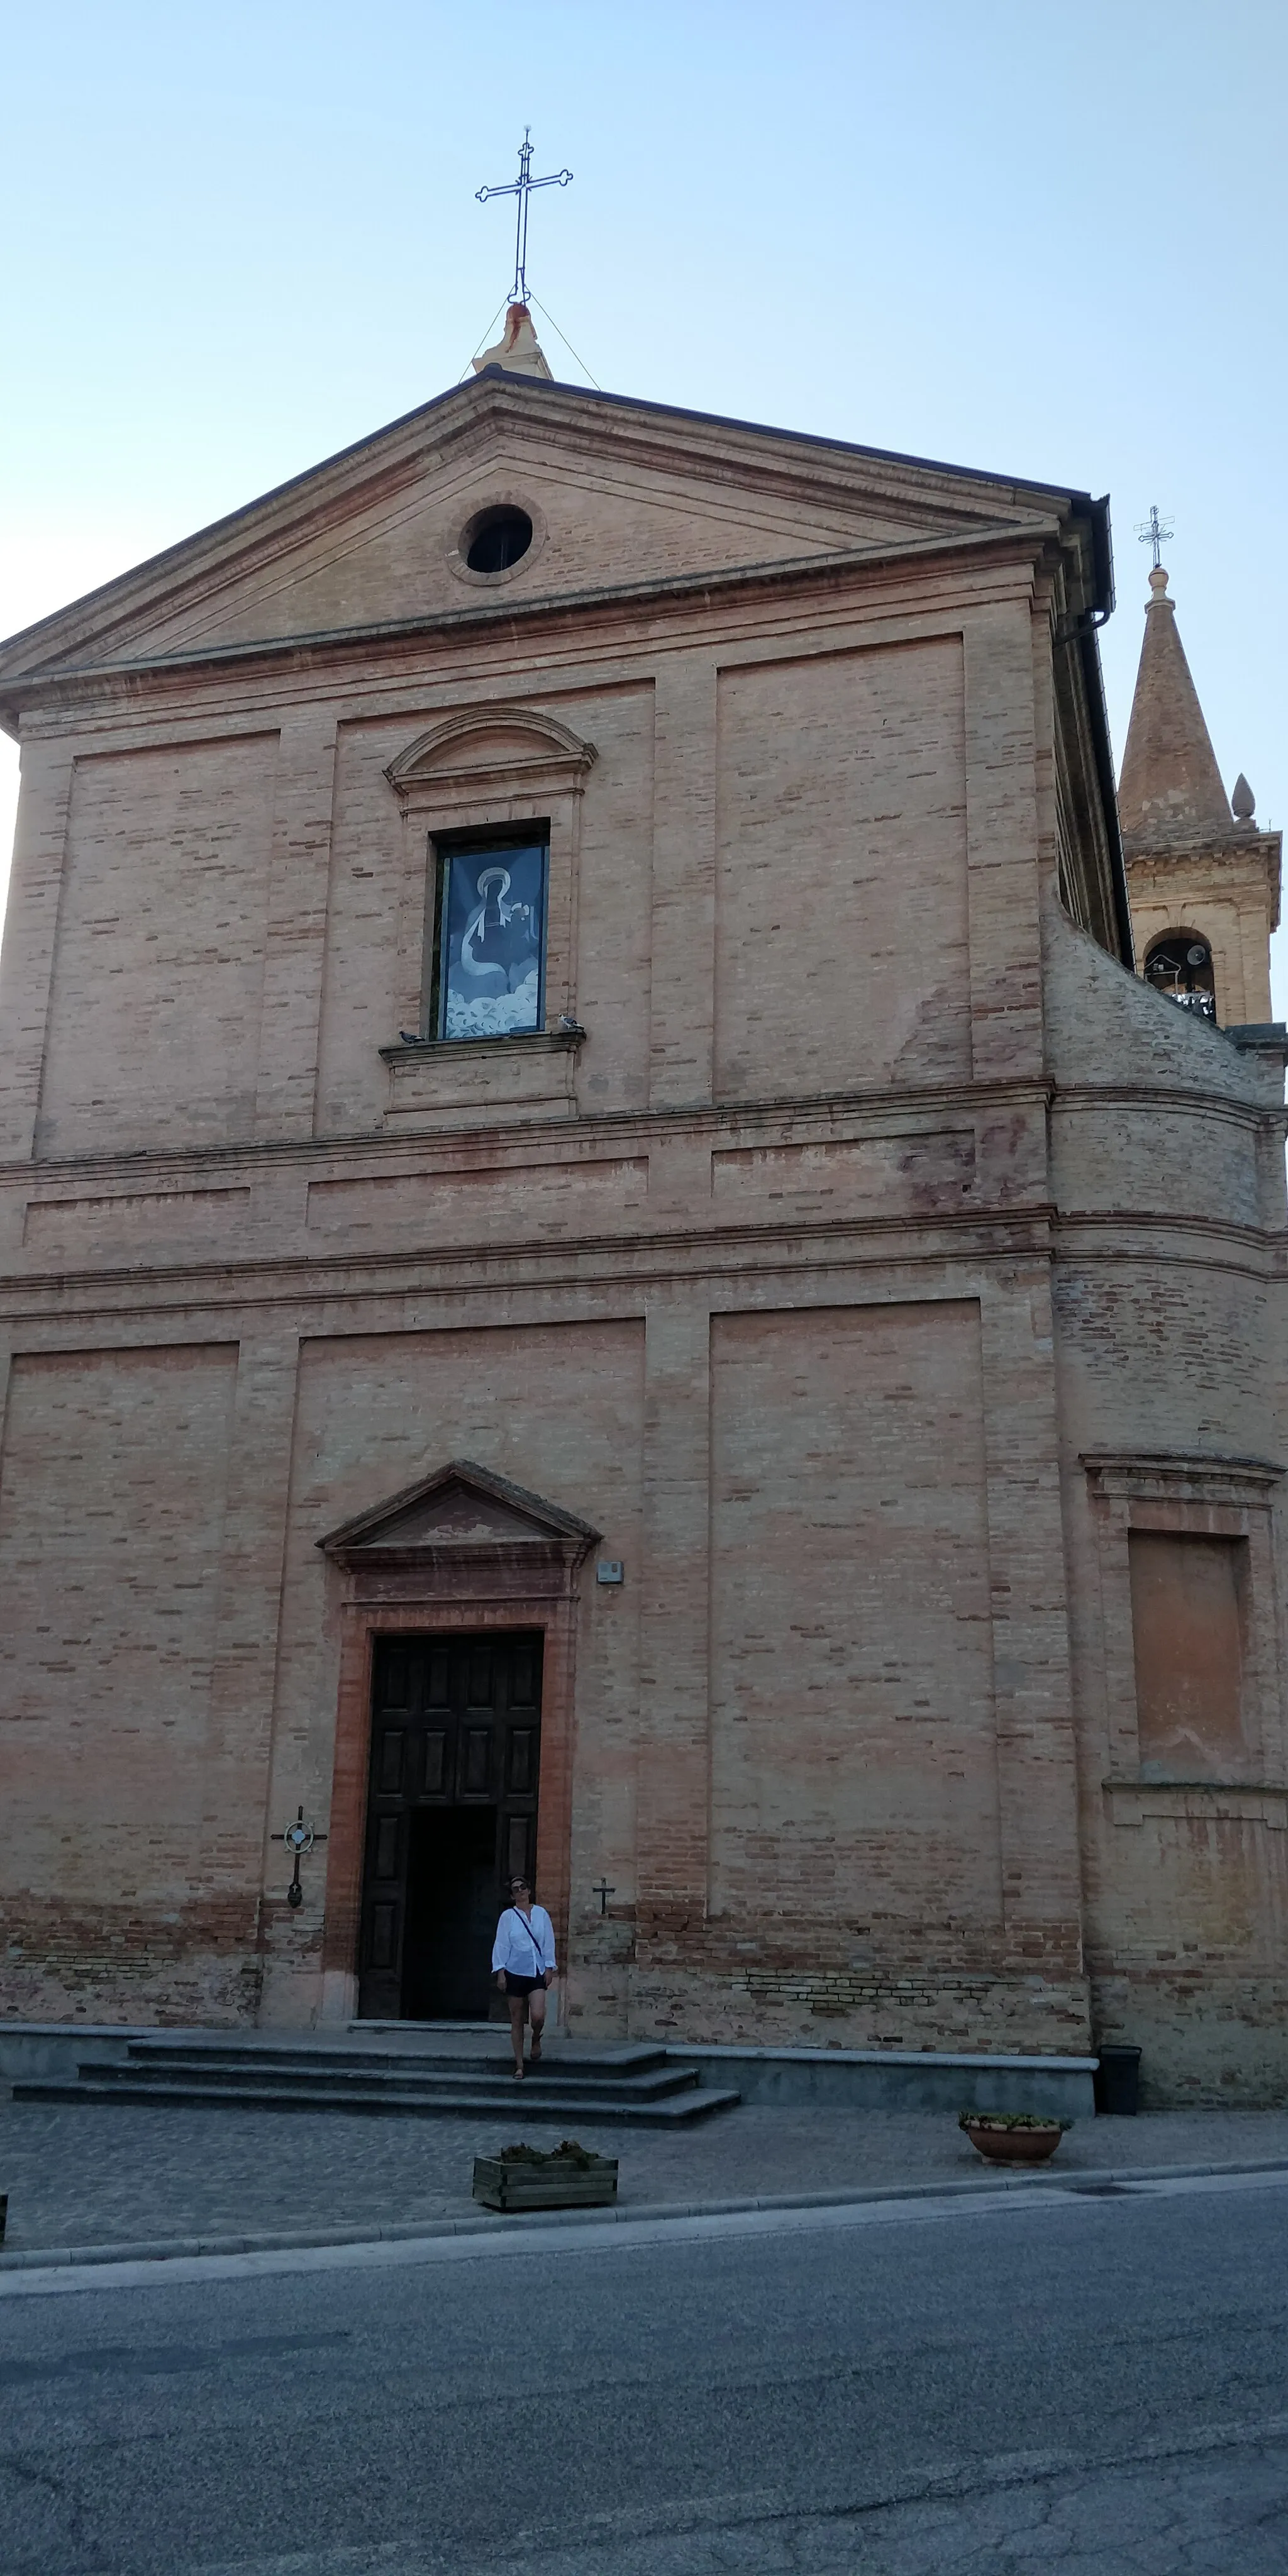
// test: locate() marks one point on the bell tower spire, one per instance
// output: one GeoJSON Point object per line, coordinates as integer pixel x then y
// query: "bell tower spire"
{"type": "Point", "coordinates": [1203, 881]}
{"type": "Point", "coordinates": [1171, 791]}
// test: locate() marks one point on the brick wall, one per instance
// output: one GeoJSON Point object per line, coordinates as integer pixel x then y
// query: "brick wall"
{"type": "Point", "coordinates": [112, 1506]}
{"type": "Point", "coordinates": [808, 1278]}
{"type": "Point", "coordinates": [1170, 1339]}
{"type": "Point", "coordinates": [154, 1019]}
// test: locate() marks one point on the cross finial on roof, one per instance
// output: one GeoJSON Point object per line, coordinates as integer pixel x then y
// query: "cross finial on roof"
{"type": "Point", "coordinates": [1154, 531]}
{"type": "Point", "coordinates": [522, 188]}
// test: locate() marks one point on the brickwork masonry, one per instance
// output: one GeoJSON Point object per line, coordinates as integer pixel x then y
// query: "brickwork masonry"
{"type": "Point", "coordinates": [839, 1213]}
{"type": "Point", "coordinates": [192, 1963]}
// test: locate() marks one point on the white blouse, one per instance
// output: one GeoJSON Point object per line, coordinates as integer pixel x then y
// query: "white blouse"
{"type": "Point", "coordinates": [524, 1953]}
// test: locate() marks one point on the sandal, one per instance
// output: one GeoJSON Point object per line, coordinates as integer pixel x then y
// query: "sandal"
{"type": "Point", "coordinates": [518, 2075]}
{"type": "Point", "coordinates": [534, 2053]}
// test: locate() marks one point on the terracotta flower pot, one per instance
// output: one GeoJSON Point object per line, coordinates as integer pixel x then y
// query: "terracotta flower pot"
{"type": "Point", "coordinates": [1007, 2146]}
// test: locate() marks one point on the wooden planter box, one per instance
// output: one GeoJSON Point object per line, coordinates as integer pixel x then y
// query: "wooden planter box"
{"type": "Point", "coordinates": [556, 2182]}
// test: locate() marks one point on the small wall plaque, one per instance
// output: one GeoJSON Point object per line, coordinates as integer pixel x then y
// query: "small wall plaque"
{"type": "Point", "coordinates": [609, 1570]}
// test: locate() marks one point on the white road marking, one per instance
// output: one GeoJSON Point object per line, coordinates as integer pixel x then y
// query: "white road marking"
{"type": "Point", "coordinates": [621, 2236]}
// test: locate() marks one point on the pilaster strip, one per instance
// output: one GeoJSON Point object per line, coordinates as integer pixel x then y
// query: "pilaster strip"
{"type": "Point", "coordinates": [30, 940]}
{"type": "Point", "coordinates": [291, 1007]}
{"type": "Point", "coordinates": [673, 1789]}
{"type": "Point", "coordinates": [681, 1051]}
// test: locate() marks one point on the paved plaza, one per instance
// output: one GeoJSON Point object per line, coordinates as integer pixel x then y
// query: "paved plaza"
{"type": "Point", "coordinates": [115, 2174]}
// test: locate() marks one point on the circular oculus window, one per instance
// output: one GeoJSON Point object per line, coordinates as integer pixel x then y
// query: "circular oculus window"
{"type": "Point", "coordinates": [500, 541]}
{"type": "Point", "coordinates": [496, 539]}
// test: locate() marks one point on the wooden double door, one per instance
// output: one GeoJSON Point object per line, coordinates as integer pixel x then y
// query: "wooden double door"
{"type": "Point", "coordinates": [451, 1818]}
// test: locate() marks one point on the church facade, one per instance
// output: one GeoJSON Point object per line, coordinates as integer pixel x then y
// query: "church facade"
{"type": "Point", "coordinates": [606, 1268]}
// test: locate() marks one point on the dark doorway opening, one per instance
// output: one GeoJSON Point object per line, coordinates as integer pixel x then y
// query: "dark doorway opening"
{"type": "Point", "coordinates": [451, 1814]}
{"type": "Point", "coordinates": [452, 1906]}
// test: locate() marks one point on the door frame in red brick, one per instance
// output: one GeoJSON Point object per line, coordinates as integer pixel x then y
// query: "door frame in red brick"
{"type": "Point", "coordinates": [462, 1550]}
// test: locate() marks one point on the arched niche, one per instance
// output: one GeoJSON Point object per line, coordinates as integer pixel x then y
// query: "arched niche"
{"type": "Point", "coordinates": [1179, 964]}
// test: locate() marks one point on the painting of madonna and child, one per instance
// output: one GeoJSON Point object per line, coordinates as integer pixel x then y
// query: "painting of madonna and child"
{"type": "Point", "coordinates": [493, 926]}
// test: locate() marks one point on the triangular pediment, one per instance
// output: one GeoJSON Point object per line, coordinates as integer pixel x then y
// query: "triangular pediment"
{"type": "Point", "coordinates": [622, 496]}
{"type": "Point", "coordinates": [460, 1506]}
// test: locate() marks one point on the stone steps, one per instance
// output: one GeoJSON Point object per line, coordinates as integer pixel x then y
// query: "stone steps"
{"type": "Point", "coordinates": [630, 2084]}
{"type": "Point", "coordinates": [201, 2058]}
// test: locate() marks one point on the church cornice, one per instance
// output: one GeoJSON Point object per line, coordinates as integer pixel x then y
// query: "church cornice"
{"type": "Point", "coordinates": [615, 429]}
{"type": "Point", "coordinates": [73, 683]}
{"type": "Point", "coordinates": [613, 436]}
{"type": "Point", "coordinates": [600, 1264]}
{"type": "Point", "coordinates": [946, 1251]}
{"type": "Point", "coordinates": [803, 1118]}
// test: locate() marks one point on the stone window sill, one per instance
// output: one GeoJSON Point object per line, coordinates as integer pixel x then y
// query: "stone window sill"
{"type": "Point", "coordinates": [1262, 1802]}
{"type": "Point", "coordinates": [521, 1041]}
{"type": "Point", "coordinates": [469, 1082]}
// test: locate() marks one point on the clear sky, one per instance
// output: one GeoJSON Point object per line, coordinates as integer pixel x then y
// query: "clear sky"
{"type": "Point", "coordinates": [1043, 239]}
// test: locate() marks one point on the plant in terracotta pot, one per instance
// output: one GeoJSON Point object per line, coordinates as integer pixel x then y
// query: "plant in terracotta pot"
{"type": "Point", "coordinates": [1014, 2137]}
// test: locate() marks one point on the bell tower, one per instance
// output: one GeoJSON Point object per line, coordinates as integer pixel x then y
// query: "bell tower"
{"type": "Point", "coordinates": [1203, 881]}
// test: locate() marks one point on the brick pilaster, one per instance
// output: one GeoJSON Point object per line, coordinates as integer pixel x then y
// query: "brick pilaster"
{"type": "Point", "coordinates": [1002, 846]}
{"type": "Point", "coordinates": [291, 1009]}
{"type": "Point", "coordinates": [674, 1744]}
{"type": "Point", "coordinates": [681, 1050]}
{"type": "Point", "coordinates": [30, 938]}
{"type": "Point", "coordinates": [237, 1767]}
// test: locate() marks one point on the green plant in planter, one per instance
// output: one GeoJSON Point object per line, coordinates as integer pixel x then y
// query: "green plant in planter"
{"type": "Point", "coordinates": [1011, 2120]}
{"type": "Point", "coordinates": [566, 2153]}
{"type": "Point", "coordinates": [523, 2177]}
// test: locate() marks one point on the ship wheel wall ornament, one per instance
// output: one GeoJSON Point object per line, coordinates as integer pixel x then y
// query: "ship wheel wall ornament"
{"type": "Point", "coordinates": [298, 1838]}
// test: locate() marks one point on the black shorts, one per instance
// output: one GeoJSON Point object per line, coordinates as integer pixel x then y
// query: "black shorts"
{"type": "Point", "coordinates": [522, 1985]}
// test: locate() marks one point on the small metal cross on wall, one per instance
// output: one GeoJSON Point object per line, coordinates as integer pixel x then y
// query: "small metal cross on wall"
{"type": "Point", "coordinates": [298, 1838]}
{"type": "Point", "coordinates": [603, 1891]}
{"type": "Point", "coordinates": [522, 188]}
{"type": "Point", "coordinates": [1154, 532]}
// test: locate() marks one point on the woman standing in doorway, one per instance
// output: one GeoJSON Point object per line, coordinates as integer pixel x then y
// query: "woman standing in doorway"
{"type": "Point", "coordinates": [523, 1961]}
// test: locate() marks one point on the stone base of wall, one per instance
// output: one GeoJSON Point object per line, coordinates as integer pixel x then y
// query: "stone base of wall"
{"type": "Point", "coordinates": [1206, 2038]}
{"type": "Point", "coordinates": [768, 2007]}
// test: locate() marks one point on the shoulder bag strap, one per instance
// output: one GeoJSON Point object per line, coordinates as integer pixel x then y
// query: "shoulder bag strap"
{"type": "Point", "coordinates": [541, 1965]}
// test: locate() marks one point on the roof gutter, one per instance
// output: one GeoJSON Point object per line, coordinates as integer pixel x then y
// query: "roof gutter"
{"type": "Point", "coordinates": [1096, 518]}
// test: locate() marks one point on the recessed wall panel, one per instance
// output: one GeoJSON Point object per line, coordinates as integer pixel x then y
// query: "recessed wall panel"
{"type": "Point", "coordinates": [853, 1740]}
{"type": "Point", "coordinates": [154, 1014]}
{"type": "Point", "coordinates": [841, 937]}
{"type": "Point", "coordinates": [112, 1497]}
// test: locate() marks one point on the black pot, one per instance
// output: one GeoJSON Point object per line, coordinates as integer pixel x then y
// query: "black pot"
{"type": "Point", "coordinates": [1117, 2082]}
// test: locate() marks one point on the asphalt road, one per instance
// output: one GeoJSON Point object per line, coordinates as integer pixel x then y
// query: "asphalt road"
{"type": "Point", "coordinates": [1050, 2382]}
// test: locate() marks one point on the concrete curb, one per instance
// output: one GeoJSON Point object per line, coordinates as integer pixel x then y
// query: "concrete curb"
{"type": "Point", "coordinates": [163, 2249]}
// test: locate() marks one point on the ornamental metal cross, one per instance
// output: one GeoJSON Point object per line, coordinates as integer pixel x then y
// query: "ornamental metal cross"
{"type": "Point", "coordinates": [298, 1838]}
{"type": "Point", "coordinates": [1154, 532]}
{"type": "Point", "coordinates": [522, 188]}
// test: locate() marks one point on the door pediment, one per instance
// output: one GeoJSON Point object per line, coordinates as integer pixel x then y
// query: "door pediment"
{"type": "Point", "coordinates": [462, 1510]}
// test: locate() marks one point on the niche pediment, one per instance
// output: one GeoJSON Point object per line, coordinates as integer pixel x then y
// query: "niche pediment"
{"type": "Point", "coordinates": [460, 1510]}
{"type": "Point", "coordinates": [528, 753]}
